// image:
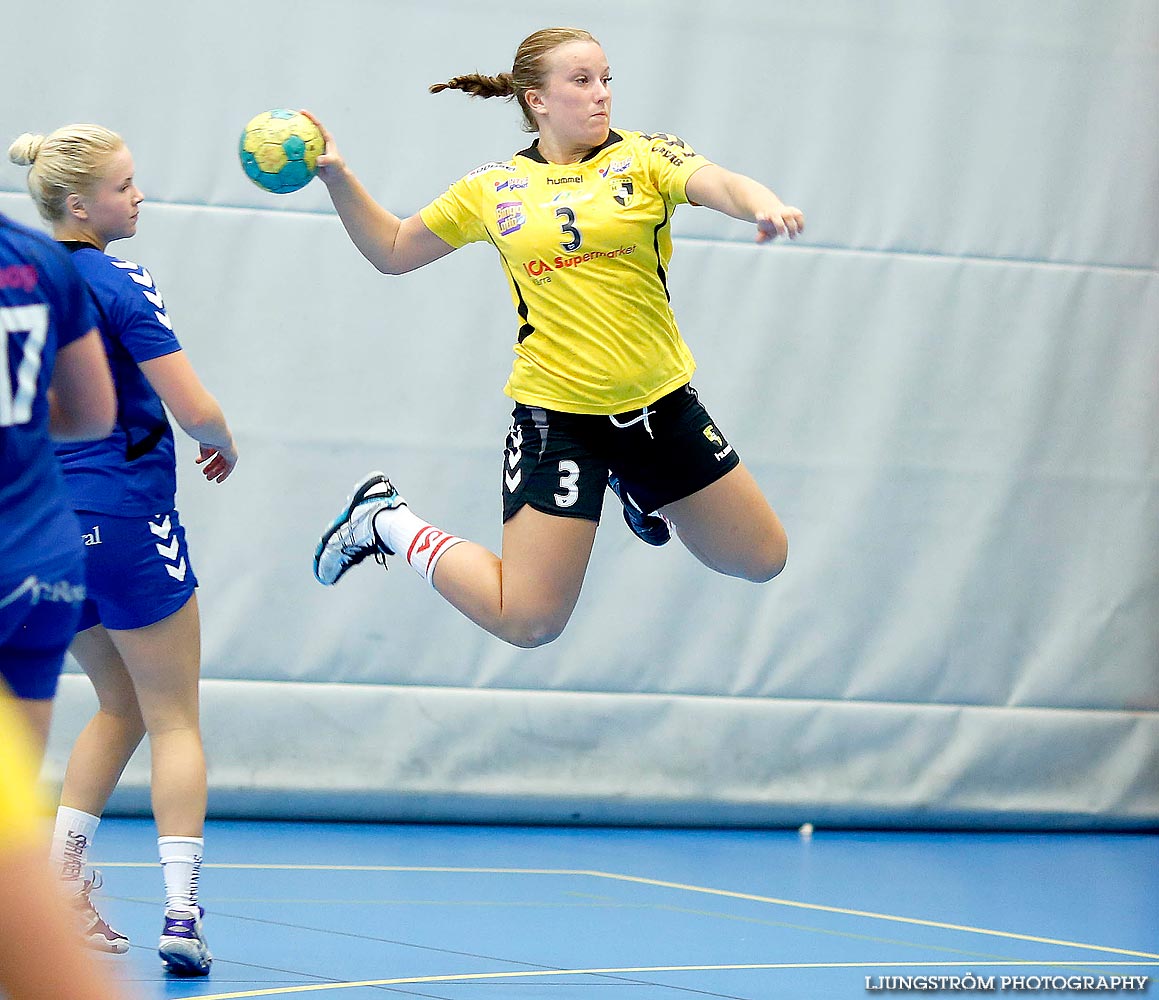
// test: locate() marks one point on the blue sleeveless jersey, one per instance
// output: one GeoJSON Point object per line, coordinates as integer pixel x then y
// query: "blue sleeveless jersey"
{"type": "Point", "coordinates": [134, 470]}
{"type": "Point", "coordinates": [43, 307]}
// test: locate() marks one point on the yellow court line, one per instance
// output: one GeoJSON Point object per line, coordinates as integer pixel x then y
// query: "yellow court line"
{"type": "Point", "coordinates": [543, 973]}
{"type": "Point", "coordinates": [659, 883]}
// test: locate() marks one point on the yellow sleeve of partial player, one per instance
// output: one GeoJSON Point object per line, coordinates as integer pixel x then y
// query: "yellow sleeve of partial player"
{"type": "Point", "coordinates": [20, 804]}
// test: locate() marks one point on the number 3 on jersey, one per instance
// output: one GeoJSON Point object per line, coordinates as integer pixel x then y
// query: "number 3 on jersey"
{"type": "Point", "coordinates": [568, 483]}
{"type": "Point", "coordinates": [575, 239]}
{"type": "Point", "coordinates": [16, 398]}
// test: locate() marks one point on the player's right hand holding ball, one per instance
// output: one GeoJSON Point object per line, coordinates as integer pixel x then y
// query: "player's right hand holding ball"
{"type": "Point", "coordinates": [330, 162]}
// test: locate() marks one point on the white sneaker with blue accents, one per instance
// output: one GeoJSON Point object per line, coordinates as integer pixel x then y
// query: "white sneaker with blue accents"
{"type": "Point", "coordinates": [351, 536]}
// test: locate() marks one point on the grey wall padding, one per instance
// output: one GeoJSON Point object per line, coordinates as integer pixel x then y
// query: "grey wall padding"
{"type": "Point", "coordinates": [949, 390]}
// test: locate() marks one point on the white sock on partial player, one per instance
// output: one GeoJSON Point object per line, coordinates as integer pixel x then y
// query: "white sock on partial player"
{"type": "Point", "coordinates": [71, 837]}
{"type": "Point", "coordinates": [408, 535]}
{"type": "Point", "coordinates": [181, 869]}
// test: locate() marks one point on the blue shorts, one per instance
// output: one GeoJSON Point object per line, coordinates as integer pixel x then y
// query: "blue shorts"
{"type": "Point", "coordinates": [137, 569]}
{"type": "Point", "coordinates": [38, 618]}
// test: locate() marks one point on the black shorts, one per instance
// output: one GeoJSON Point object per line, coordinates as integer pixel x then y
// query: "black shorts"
{"type": "Point", "coordinates": [558, 462]}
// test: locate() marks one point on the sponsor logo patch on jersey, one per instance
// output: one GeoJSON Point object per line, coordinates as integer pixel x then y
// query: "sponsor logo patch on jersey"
{"type": "Point", "coordinates": [493, 165]}
{"type": "Point", "coordinates": [616, 167]}
{"type": "Point", "coordinates": [510, 217]}
{"type": "Point", "coordinates": [671, 147]}
{"type": "Point", "coordinates": [512, 183]}
{"type": "Point", "coordinates": [21, 276]}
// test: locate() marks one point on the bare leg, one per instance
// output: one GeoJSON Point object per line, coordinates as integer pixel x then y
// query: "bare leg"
{"type": "Point", "coordinates": [730, 527]}
{"type": "Point", "coordinates": [105, 745]}
{"type": "Point", "coordinates": [164, 660]}
{"type": "Point", "coordinates": [527, 597]}
{"type": "Point", "coordinates": [146, 679]}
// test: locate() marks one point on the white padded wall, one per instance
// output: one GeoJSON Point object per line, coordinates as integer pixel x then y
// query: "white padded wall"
{"type": "Point", "coordinates": [949, 390]}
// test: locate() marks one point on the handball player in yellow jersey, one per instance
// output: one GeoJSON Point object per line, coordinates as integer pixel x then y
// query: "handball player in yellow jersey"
{"type": "Point", "coordinates": [582, 223]}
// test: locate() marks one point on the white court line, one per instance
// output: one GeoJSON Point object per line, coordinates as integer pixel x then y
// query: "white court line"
{"type": "Point", "coordinates": [659, 883]}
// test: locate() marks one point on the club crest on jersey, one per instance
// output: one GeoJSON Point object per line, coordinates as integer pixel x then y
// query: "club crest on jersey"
{"type": "Point", "coordinates": [713, 435]}
{"type": "Point", "coordinates": [510, 217]}
{"type": "Point", "coordinates": [622, 190]}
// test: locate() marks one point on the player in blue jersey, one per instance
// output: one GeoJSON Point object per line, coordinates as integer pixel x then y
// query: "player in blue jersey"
{"type": "Point", "coordinates": [139, 638]}
{"type": "Point", "coordinates": [54, 383]}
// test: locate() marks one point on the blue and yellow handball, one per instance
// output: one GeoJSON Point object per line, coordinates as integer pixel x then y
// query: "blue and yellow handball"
{"type": "Point", "coordinates": [279, 150]}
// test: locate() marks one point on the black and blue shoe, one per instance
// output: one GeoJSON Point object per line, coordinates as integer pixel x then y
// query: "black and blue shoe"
{"type": "Point", "coordinates": [655, 529]}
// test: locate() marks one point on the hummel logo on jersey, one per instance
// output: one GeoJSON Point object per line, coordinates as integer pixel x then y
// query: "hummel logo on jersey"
{"type": "Point", "coordinates": [512, 476]}
{"type": "Point", "coordinates": [712, 435]}
{"type": "Point", "coordinates": [169, 549]}
{"type": "Point", "coordinates": [148, 289]}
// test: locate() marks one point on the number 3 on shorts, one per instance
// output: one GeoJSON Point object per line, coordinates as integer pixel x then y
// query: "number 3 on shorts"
{"type": "Point", "coordinates": [568, 483]}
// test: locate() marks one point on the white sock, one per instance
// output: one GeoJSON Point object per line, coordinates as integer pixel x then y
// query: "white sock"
{"type": "Point", "coordinates": [71, 838]}
{"type": "Point", "coordinates": [181, 867]}
{"type": "Point", "coordinates": [406, 534]}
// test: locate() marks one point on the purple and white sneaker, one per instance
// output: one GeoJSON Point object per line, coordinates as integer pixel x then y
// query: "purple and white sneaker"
{"type": "Point", "coordinates": [183, 948]}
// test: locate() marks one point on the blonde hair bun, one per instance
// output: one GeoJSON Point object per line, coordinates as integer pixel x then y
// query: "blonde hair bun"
{"type": "Point", "coordinates": [25, 149]}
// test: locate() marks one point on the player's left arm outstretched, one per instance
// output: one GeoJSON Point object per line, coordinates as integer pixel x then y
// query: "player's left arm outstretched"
{"type": "Point", "coordinates": [744, 198]}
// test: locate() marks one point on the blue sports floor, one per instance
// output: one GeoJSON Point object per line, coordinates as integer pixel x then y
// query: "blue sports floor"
{"type": "Point", "coordinates": [345, 911]}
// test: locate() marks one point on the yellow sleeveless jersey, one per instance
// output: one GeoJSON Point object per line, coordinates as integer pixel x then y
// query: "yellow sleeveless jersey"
{"type": "Point", "coordinates": [585, 247]}
{"type": "Point", "coordinates": [20, 816]}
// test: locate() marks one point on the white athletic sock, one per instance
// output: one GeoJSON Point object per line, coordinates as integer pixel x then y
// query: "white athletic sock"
{"type": "Point", "coordinates": [181, 867]}
{"type": "Point", "coordinates": [71, 837]}
{"type": "Point", "coordinates": [406, 534]}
